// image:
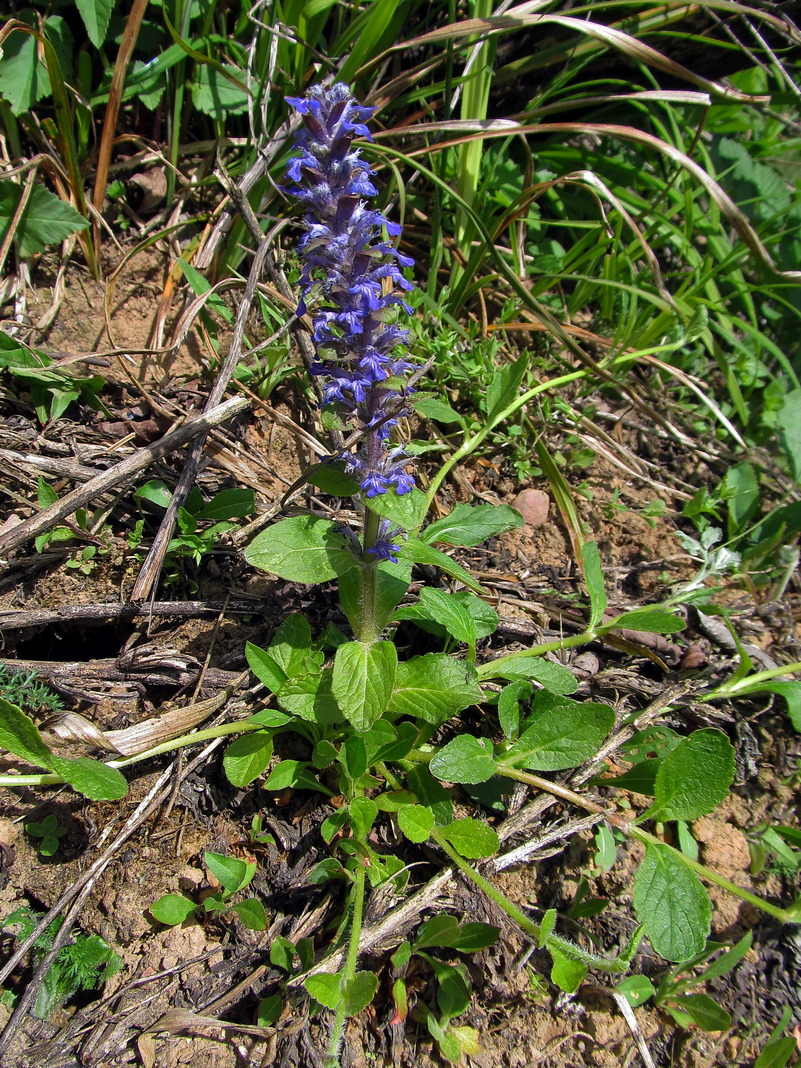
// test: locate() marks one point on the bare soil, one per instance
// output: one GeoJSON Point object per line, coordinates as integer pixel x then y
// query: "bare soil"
{"type": "Point", "coordinates": [188, 995]}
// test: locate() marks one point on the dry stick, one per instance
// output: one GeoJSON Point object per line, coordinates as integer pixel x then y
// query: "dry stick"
{"type": "Point", "coordinates": [115, 476]}
{"type": "Point", "coordinates": [16, 618]}
{"type": "Point", "coordinates": [148, 576]}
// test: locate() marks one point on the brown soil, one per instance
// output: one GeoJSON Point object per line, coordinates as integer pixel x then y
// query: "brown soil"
{"type": "Point", "coordinates": [183, 979]}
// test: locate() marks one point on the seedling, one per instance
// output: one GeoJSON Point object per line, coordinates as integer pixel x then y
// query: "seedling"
{"type": "Point", "coordinates": [50, 831]}
{"type": "Point", "coordinates": [234, 876]}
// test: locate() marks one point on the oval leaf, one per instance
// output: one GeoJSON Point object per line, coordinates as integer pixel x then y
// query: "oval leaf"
{"type": "Point", "coordinates": [671, 904]}
{"type": "Point", "coordinates": [560, 734]}
{"type": "Point", "coordinates": [471, 838]}
{"type": "Point", "coordinates": [464, 760]}
{"type": "Point", "coordinates": [303, 548]}
{"type": "Point", "coordinates": [247, 757]}
{"type": "Point", "coordinates": [694, 777]}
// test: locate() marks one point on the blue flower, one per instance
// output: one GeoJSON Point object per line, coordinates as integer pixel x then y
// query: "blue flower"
{"type": "Point", "coordinates": [351, 279]}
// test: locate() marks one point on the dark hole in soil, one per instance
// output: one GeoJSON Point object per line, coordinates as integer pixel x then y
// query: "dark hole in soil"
{"type": "Point", "coordinates": [73, 643]}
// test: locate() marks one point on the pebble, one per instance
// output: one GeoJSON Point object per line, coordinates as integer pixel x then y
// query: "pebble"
{"type": "Point", "coordinates": [533, 505]}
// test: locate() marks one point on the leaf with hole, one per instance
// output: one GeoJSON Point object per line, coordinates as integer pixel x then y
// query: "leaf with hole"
{"type": "Point", "coordinates": [693, 778]}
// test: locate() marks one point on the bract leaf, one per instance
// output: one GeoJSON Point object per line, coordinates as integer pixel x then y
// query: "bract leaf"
{"type": "Point", "coordinates": [363, 680]}
{"type": "Point", "coordinates": [302, 548]}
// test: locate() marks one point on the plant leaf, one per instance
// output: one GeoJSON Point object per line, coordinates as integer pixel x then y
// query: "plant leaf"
{"type": "Point", "coordinates": [172, 909]}
{"type": "Point", "coordinates": [464, 760]}
{"type": "Point", "coordinates": [471, 838]}
{"type": "Point", "coordinates": [45, 219]}
{"type": "Point", "coordinates": [363, 680]}
{"type": "Point", "coordinates": [671, 904]}
{"type": "Point", "coordinates": [594, 578]}
{"type": "Point", "coordinates": [693, 778]}
{"type": "Point", "coordinates": [560, 734]}
{"type": "Point", "coordinates": [247, 757]}
{"type": "Point", "coordinates": [96, 15]}
{"type": "Point", "coordinates": [302, 548]}
{"type": "Point", "coordinates": [433, 687]}
{"type": "Point", "coordinates": [471, 524]}
{"type": "Point", "coordinates": [416, 822]}
{"type": "Point", "coordinates": [420, 552]}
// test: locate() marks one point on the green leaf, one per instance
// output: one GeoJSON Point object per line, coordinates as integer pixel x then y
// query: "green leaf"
{"type": "Point", "coordinates": [594, 577]}
{"type": "Point", "coordinates": [471, 838]}
{"type": "Point", "coordinates": [251, 913]}
{"type": "Point", "coordinates": [228, 504]}
{"type": "Point", "coordinates": [432, 794]}
{"type": "Point", "coordinates": [93, 779]}
{"type": "Point", "coordinates": [293, 773]}
{"type": "Point", "coordinates": [406, 510]}
{"type": "Point", "coordinates": [363, 679]}
{"type": "Point", "coordinates": [172, 909]}
{"type": "Point", "coordinates": [354, 757]}
{"type": "Point", "coordinates": [791, 692]}
{"type": "Point", "coordinates": [441, 931]}
{"type": "Point", "coordinates": [269, 1009]}
{"type": "Point", "coordinates": [485, 618]}
{"type": "Point", "coordinates": [553, 677]}
{"type": "Point", "coordinates": [247, 757]}
{"type": "Point", "coordinates": [23, 75]}
{"type": "Point", "coordinates": [20, 736]}
{"type": "Point", "coordinates": [282, 953]}
{"type": "Point", "coordinates": [777, 1054]}
{"type": "Point", "coordinates": [504, 386]}
{"type": "Point", "coordinates": [671, 904]}
{"type": "Point", "coordinates": [303, 548]}
{"type": "Point", "coordinates": [473, 937]}
{"type": "Point", "coordinates": [362, 811]}
{"type": "Point", "coordinates": [438, 410]}
{"type": "Point", "coordinates": [693, 778]}
{"type": "Point", "coordinates": [509, 707]}
{"type": "Point", "coordinates": [470, 524]}
{"type": "Point", "coordinates": [325, 989]}
{"type": "Point", "coordinates": [789, 430]}
{"type": "Point", "coordinates": [96, 15]}
{"type": "Point", "coordinates": [450, 613]}
{"type": "Point", "coordinates": [433, 687]}
{"type": "Point", "coordinates": [391, 583]}
{"type": "Point", "coordinates": [464, 760]}
{"type": "Point", "coordinates": [216, 95]}
{"type": "Point", "coordinates": [650, 620]}
{"type": "Point", "coordinates": [291, 647]}
{"type": "Point", "coordinates": [560, 734]}
{"type": "Point", "coordinates": [45, 220]}
{"type": "Point", "coordinates": [231, 873]}
{"type": "Point", "coordinates": [331, 478]}
{"type": "Point", "coordinates": [701, 1010]}
{"type": "Point", "coordinates": [566, 973]}
{"type": "Point", "coordinates": [264, 667]}
{"type": "Point", "coordinates": [416, 822]}
{"type": "Point", "coordinates": [358, 992]}
{"type": "Point", "coordinates": [636, 990]}
{"type": "Point", "coordinates": [309, 697]}
{"type": "Point", "coordinates": [419, 552]}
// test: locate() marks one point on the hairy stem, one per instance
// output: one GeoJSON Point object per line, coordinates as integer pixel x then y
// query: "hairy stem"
{"type": "Point", "coordinates": [338, 1030]}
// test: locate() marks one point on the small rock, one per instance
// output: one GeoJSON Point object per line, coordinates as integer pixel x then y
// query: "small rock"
{"type": "Point", "coordinates": [533, 505]}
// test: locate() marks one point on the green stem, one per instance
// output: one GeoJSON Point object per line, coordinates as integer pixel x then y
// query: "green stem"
{"type": "Point", "coordinates": [470, 444]}
{"type": "Point", "coordinates": [370, 630]}
{"type": "Point", "coordinates": [51, 779]}
{"type": "Point", "coordinates": [488, 670]}
{"type": "Point", "coordinates": [788, 915]}
{"type": "Point", "coordinates": [492, 892]}
{"type": "Point", "coordinates": [337, 1033]}
{"type": "Point", "coordinates": [751, 683]}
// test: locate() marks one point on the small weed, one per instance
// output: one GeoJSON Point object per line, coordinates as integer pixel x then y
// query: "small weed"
{"type": "Point", "coordinates": [83, 964]}
{"type": "Point", "coordinates": [234, 876]}
{"type": "Point", "coordinates": [28, 692]}
{"type": "Point", "coordinates": [50, 831]}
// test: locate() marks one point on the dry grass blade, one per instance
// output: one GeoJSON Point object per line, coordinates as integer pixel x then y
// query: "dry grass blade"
{"type": "Point", "coordinates": [129, 37]}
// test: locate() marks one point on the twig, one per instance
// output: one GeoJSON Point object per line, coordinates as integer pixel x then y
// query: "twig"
{"type": "Point", "coordinates": [123, 611]}
{"type": "Point", "coordinates": [121, 473]}
{"type": "Point", "coordinates": [628, 1015]}
{"type": "Point", "coordinates": [148, 575]}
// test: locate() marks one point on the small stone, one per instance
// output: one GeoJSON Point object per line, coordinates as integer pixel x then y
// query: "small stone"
{"type": "Point", "coordinates": [533, 505]}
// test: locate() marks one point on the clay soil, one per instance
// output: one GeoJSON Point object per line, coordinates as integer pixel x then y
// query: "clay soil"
{"type": "Point", "coordinates": [189, 995]}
